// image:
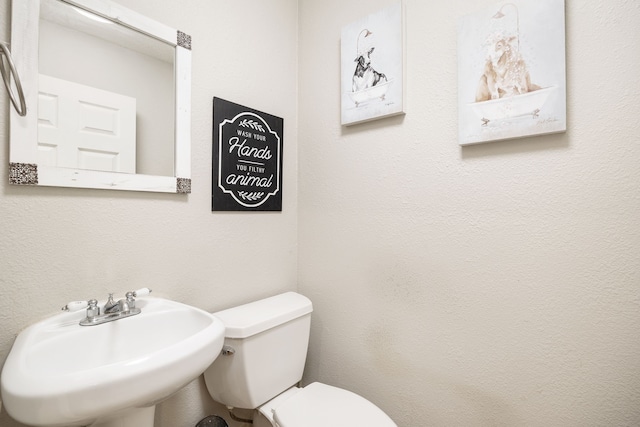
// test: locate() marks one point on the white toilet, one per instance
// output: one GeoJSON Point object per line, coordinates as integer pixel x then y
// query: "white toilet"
{"type": "Point", "coordinates": [263, 359]}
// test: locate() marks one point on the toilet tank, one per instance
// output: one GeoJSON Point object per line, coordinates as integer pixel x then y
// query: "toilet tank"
{"type": "Point", "coordinates": [266, 347]}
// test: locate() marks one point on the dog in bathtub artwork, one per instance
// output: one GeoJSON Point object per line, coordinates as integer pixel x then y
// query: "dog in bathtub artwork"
{"type": "Point", "coordinates": [511, 76]}
{"type": "Point", "coordinates": [372, 61]}
{"type": "Point", "coordinates": [366, 84]}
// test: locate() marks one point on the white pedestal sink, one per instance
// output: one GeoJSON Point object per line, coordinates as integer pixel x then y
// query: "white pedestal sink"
{"type": "Point", "coordinates": [59, 373]}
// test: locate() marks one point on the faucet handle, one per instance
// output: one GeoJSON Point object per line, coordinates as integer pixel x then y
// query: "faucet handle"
{"type": "Point", "coordinates": [93, 310]}
{"type": "Point", "coordinates": [142, 292]}
{"type": "Point", "coordinates": [131, 301]}
{"type": "Point", "coordinates": [75, 306]}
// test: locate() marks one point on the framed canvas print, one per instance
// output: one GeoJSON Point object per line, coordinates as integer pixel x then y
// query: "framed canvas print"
{"type": "Point", "coordinates": [247, 159]}
{"type": "Point", "coordinates": [372, 66]}
{"type": "Point", "coordinates": [511, 71]}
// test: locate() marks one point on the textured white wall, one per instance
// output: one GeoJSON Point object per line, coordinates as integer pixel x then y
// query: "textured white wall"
{"type": "Point", "coordinates": [492, 285]}
{"type": "Point", "coordinates": [66, 244]}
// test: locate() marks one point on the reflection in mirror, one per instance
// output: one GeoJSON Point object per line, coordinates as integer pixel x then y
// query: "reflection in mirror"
{"type": "Point", "coordinates": [116, 81]}
{"type": "Point", "coordinates": [108, 98]}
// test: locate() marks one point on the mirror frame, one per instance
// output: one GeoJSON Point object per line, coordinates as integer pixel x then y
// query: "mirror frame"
{"type": "Point", "coordinates": [24, 168]}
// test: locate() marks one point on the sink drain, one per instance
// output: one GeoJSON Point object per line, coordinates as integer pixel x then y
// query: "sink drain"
{"type": "Point", "coordinates": [212, 421]}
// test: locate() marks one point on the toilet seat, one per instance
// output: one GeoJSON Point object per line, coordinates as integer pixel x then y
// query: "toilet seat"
{"type": "Point", "coordinates": [321, 405]}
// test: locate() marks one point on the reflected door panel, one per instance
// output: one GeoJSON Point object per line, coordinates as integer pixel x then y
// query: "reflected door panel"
{"type": "Point", "coordinates": [83, 127]}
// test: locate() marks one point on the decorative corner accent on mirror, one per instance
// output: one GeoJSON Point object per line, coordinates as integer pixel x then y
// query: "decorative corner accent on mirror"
{"type": "Point", "coordinates": [23, 173]}
{"type": "Point", "coordinates": [183, 185]}
{"type": "Point", "coordinates": [184, 40]}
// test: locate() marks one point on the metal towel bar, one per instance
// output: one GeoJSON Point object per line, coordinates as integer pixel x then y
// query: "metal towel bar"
{"type": "Point", "coordinates": [6, 77]}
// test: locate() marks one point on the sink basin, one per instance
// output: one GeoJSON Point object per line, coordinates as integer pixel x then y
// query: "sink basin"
{"type": "Point", "coordinates": [59, 373]}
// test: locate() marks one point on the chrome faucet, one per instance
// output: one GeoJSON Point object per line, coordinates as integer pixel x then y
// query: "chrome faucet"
{"type": "Point", "coordinates": [113, 310]}
{"type": "Point", "coordinates": [123, 305]}
{"type": "Point", "coordinates": [110, 306]}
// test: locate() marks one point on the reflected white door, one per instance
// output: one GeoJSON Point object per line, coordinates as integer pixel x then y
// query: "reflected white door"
{"type": "Point", "coordinates": [85, 128]}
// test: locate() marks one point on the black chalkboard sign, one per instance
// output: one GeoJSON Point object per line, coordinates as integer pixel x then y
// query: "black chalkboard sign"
{"type": "Point", "coordinates": [247, 159]}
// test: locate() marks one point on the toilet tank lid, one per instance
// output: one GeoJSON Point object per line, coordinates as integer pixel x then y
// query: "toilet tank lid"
{"type": "Point", "coordinates": [249, 319]}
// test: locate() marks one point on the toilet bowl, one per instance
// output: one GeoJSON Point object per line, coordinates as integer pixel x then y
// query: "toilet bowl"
{"type": "Point", "coordinates": [262, 362]}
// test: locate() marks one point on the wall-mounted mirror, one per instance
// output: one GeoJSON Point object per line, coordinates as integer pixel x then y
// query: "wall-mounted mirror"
{"type": "Point", "coordinates": [108, 95]}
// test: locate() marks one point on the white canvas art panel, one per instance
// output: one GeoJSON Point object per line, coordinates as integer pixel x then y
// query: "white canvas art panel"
{"type": "Point", "coordinates": [372, 66]}
{"type": "Point", "coordinates": [511, 71]}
